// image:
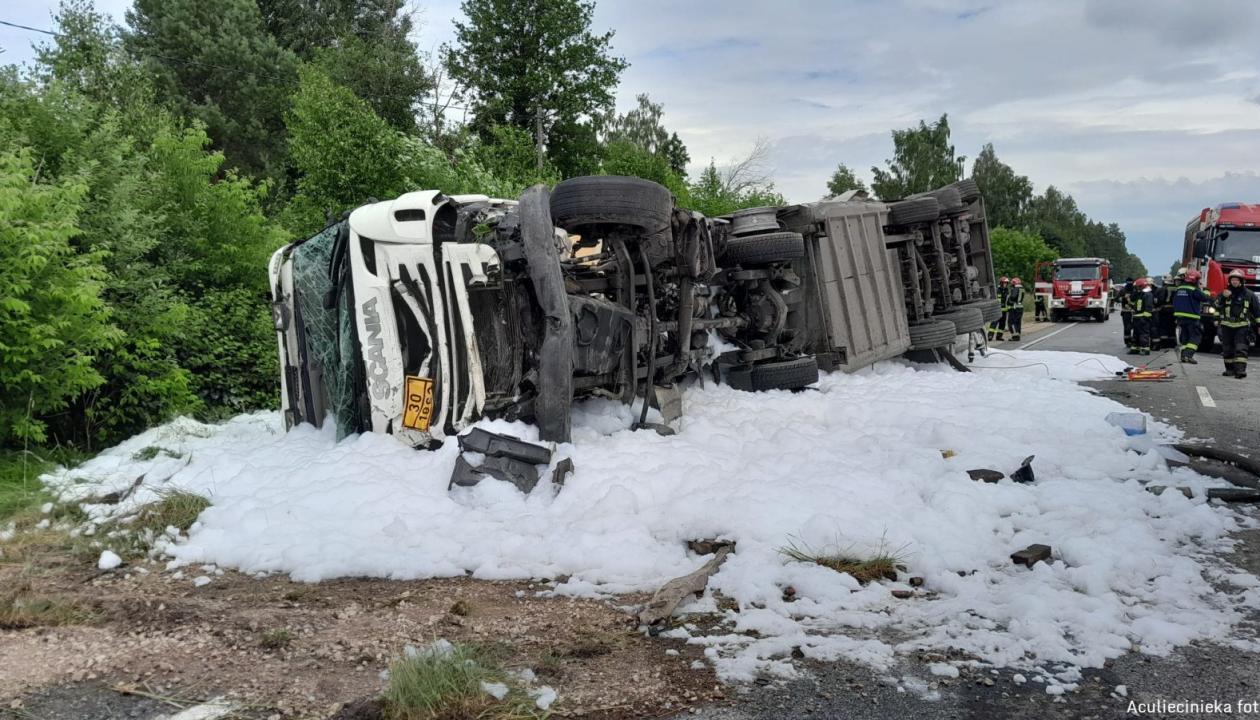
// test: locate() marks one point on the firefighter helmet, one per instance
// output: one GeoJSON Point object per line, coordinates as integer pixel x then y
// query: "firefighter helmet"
{"type": "Point", "coordinates": [1236, 273]}
{"type": "Point", "coordinates": [1141, 283]}
{"type": "Point", "coordinates": [1192, 276]}
{"type": "Point", "coordinates": [1004, 280]}
{"type": "Point", "coordinates": [1181, 272]}
{"type": "Point", "coordinates": [1017, 282]}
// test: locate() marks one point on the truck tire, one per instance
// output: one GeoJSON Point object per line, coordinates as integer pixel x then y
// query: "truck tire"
{"type": "Point", "coordinates": [989, 309]}
{"type": "Point", "coordinates": [763, 249]}
{"type": "Point", "coordinates": [931, 334]}
{"type": "Point", "coordinates": [917, 210]}
{"type": "Point", "coordinates": [949, 198]}
{"type": "Point", "coordinates": [752, 221]}
{"type": "Point", "coordinates": [967, 189]}
{"type": "Point", "coordinates": [779, 375]}
{"type": "Point", "coordinates": [613, 200]}
{"type": "Point", "coordinates": [966, 319]}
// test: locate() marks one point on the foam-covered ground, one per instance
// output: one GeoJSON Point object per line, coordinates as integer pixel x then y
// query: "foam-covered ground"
{"type": "Point", "coordinates": [855, 464]}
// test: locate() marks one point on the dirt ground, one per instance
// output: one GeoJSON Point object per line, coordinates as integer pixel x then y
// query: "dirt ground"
{"type": "Point", "coordinates": [285, 649]}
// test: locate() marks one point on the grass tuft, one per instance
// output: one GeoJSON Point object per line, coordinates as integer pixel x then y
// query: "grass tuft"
{"type": "Point", "coordinates": [276, 639]}
{"type": "Point", "coordinates": [175, 508]}
{"type": "Point", "coordinates": [882, 565]}
{"type": "Point", "coordinates": [20, 488]}
{"type": "Point", "coordinates": [19, 608]}
{"type": "Point", "coordinates": [461, 608]}
{"type": "Point", "coordinates": [447, 686]}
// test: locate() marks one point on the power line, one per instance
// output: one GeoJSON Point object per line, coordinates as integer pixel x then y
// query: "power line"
{"type": "Point", "coordinates": [277, 78]}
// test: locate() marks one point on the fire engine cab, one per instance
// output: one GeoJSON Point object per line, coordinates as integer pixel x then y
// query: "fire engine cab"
{"type": "Point", "coordinates": [1080, 286]}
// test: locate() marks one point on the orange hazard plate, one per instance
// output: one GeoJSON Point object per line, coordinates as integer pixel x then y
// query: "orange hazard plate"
{"type": "Point", "coordinates": [419, 411]}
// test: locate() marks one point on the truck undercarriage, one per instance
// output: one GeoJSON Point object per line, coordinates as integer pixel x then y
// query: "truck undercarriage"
{"type": "Point", "coordinates": [421, 315]}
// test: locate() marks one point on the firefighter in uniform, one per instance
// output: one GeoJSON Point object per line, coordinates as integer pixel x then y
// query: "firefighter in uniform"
{"type": "Point", "coordinates": [1239, 313]}
{"type": "Point", "coordinates": [1166, 326]}
{"type": "Point", "coordinates": [1142, 300]}
{"type": "Point", "coordinates": [1015, 305]}
{"type": "Point", "coordinates": [1188, 301]}
{"type": "Point", "coordinates": [998, 327]}
{"type": "Point", "coordinates": [1126, 310]}
{"type": "Point", "coordinates": [1040, 312]}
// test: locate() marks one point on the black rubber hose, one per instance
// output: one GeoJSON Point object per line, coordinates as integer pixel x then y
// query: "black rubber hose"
{"type": "Point", "coordinates": [651, 363]}
{"type": "Point", "coordinates": [1238, 461]}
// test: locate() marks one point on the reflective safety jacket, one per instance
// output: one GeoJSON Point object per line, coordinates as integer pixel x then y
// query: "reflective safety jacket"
{"type": "Point", "coordinates": [1126, 298]}
{"type": "Point", "coordinates": [1143, 303]}
{"type": "Point", "coordinates": [1238, 310]}
{"type": "Point", "coordinates": [1004, 292]}
{"type": "Point", "coordinates": [1188, 301]}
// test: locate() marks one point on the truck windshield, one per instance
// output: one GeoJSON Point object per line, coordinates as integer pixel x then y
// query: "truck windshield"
{"type": "Point", "coordinates": [1242, 245]}
{"type": "Point", "coordinates": [1076, 272]}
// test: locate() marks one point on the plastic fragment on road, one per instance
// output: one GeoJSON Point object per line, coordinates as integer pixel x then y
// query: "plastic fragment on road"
{"type": "Point", "coordinates": [1131, 423]}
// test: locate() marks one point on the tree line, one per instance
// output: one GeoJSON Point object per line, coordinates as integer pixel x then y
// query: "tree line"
{"type": "Point", "coordinates": [1025, 228]}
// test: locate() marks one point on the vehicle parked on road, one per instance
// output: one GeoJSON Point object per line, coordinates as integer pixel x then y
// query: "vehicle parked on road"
{"type": "Point", "coordinates": [1080, 286]}
{"type": "Point", "coordinates": [1219, 240]}
{"type": "Point", "coordinates": [420, 315]}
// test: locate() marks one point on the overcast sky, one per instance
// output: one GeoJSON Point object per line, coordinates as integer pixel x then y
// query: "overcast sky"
{"type": "Point", "coordinates": [1144, 110]}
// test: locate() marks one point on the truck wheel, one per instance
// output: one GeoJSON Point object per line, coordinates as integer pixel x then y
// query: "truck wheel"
{"type": "Point", "coordinates": [968, 189]}
{"type": "Point", "coordinates": [917, 210]}
{"type": "Point", "coordinates": [949, 198]}
{"type": "Point", "coordinates": [613, 200]}
{"type": "Point", "coordinates": [966, 320]}
{"type": "Point", "coordinates": [932, 334]}
{"type": "Point", "coordinates": [763, 249]}
{"type": "Point", "coordinates": [989, 309]}
{"type": "Point", "coordinates": [780, 375]}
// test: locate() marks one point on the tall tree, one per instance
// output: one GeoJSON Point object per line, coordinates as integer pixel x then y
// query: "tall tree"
{"type": "Point", "coordinates": [362, 45]}
{"type": "Point", "coordinates": [923, 159]}
{"type": "Point", "coordinates": [216, 63]}
{"type": "Point", "coordinates": [1055, 217]}
{"type": "Point", "coordinates": [643, 128]}
{"type": "Point", "coordinates": [843, 180]}
{"type": "Point", "coordinates": [744, 182]}
{"type": "Point", "coordinates": [1016, 252]}
{"type": "Point", "coordinates": [1006, 194]}
{"type": "Point", "coordinates": [535, 65]}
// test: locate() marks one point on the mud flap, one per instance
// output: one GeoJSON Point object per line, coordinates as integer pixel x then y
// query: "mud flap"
{"type": "Point", "coordinates": [555, 373]}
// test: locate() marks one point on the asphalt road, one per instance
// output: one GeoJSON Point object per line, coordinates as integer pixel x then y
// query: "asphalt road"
{"type": "Point", "coordinates": [1222, 411]}
{"type": "Point", "coordinates": [1198, 399]}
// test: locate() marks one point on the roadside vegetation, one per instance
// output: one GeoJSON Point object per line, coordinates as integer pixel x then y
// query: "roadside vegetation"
{"type": "Point", "coordinates": [881, 564]}
{"type": "Point", "coordinates": [451, 682]}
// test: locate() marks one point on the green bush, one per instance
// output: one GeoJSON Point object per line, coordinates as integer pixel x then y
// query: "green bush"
{"type": "Point", "coordinates": [230, 352]}
{"type": "Point", "coordinates": [52, 319]}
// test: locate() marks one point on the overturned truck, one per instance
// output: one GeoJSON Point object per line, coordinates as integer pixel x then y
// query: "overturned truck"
{"type": "Point", "coordinates": [420, 315]}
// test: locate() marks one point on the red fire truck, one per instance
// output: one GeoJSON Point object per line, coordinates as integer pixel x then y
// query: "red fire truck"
{"type": "Point", "coordinates": [1219, 240]}
{"type": "Point", "coordinates": [1077, 286]}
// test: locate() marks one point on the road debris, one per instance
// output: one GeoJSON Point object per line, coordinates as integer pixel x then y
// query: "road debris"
{"type": "Point", "coordinates": [1030, 555]}
{"type": "Point", "coordinates": [665, 600]}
